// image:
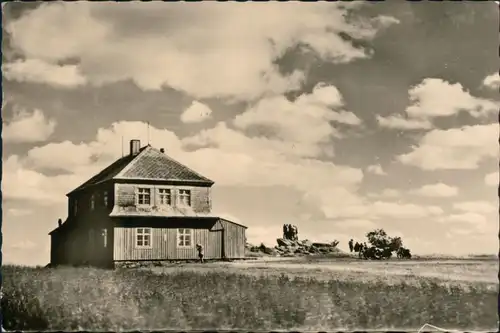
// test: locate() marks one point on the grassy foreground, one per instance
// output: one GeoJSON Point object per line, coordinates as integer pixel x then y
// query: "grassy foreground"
{"type": "Point", "coordinates": [93, 299]}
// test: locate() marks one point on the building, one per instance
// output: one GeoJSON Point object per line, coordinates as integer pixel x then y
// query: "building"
{"type": "Point", "coordinates": [143, 207]}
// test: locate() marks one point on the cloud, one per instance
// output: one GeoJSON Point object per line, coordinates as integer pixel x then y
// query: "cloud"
{"type": "Point", "coordinates": [196, 112]}
{"type": "Point", "coordinates": [458, 148]}
{"type": "Point", "coordinates": [437, 190]}
{"type": "Point", "coordinates": [480, 207]}
{"type": "Point", "coordinates": [38, 71]}
{"type": "Point", "coordinates": [305, 123]}
{"type": "Point", "coordinates": [232, 49]}
{"type": "Point", "coordinates": [474, 222]}
{"type": "Point", "coordinates": [254, 162]}
{"type": "Point", "coordinates": [434, 98]}
{"type": "Point", "coordinates": [356, 223]}
{"type": "Point", "coordinates": [491, 179]}
{"type": "Point", "coordinates": [24, 184]}
{"type": "Point", "coordinates": [492, 81]}
{"type": "Point", "coordinates": [438, 98]}
{"type": "Point", "coordinates": [386, 193]}
{"type": "Point", "coordinates": [347, 205]}
{"type": "Point", "coordinates": [23, 245]}
{"type": "Point", "coordinates": [28, 127]}
{"type": "Point", "coordinates": [398, 122]}
{"type": "Point", "coordinates": [376, 169]}
{"type": "Point", "coordinates": [18, 212]}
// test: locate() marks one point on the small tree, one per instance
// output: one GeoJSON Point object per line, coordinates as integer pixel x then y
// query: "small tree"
{"type": "Point", "coordinates": [379, 239]}
{"type": "Point", "coordinates": [396, 243]}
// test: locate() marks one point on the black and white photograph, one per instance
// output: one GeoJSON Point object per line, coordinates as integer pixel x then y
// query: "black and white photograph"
{"type": "Point", "coordinates": [250, 166]}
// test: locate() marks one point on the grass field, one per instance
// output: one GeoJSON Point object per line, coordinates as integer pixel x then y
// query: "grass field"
{"type": "Point", "coordinates": [261, 295]}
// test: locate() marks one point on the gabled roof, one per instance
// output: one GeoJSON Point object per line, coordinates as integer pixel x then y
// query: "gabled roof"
{"type": "Point", "coordinates": [148, 164]}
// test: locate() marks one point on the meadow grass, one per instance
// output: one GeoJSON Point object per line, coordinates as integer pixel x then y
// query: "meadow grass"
{"type": "Point", "coordinates": [94, 299]}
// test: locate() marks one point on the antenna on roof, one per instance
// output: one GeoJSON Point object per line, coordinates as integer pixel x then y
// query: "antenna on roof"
{"type": "Point", "coordinates": [148, 133]}
{"type": "Point", "coordinates": [122, 145]}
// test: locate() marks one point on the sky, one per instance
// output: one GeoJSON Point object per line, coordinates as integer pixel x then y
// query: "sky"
{"type": "Point", "coordinates": [339, 118]}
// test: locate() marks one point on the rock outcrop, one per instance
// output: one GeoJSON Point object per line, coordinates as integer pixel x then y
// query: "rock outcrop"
{"type": "Point", "coordinates": [290, 245]}
{"type": "Point", "coordinates": [287, 248]}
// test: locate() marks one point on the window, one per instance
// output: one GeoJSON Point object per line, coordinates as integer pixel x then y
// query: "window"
{"type": "Point", "coordinates": [143, 237]}
{"type": "Point", "coordinates": [164, 196]}
{"type": "Point", "coordinates": [184, 237]}
{"type": "Point", "coordinates": [75, 207]}
{"type": "Point", "coordinates": [143, 196]}
{"type": "Point", "coordinates": [92, 202]}
{"type": "Point", "coordinates": [185, 197]}
{"type": "Point", "coordinates": [105, 198]}
{"type": "Point", "coordinates": [105, 237]}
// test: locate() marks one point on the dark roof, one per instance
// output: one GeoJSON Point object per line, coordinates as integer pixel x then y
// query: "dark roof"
{"type": "Point", "coordinates": [153, 164]}
{"type": "Point", "coordinates": [149, 163]}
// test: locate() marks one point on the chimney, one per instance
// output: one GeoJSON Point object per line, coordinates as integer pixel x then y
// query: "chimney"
{"type": "Point", "coordinates": [135, 145]}
{"type": "Point", "coordinates": [162, 150]}
{"type": "Point", "coordinates": [59, 222]}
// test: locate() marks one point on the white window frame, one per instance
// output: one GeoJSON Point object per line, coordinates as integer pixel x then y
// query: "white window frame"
{"type": "Point", "coordinates": [182, 232]}
{"type": "Point", "coordinates": [92, 202]}
{"type": "Point", "coordinates": [138, 193]}
{"type": "Point", "coordinates": [180, 196]}
{"type": "Point", "coordinates": [142, 232]}
{"type": "Point", "coordinates": [105, 198]}
{"type": "Point", "coordinates": [164, 192]}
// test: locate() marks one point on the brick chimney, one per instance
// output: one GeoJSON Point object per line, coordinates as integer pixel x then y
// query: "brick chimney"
{"type": "Point", "coordinates": [162, 150]}
{"type": "Point", "coordinates": [135, 146]}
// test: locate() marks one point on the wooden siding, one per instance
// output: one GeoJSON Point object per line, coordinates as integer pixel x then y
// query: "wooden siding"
{"type": "Point", "coordinates": [220, 239]}
{"type": "Point", "coordinates": [164, 244]}
{"type": "Point", "coordinates": [234, 239]}
{"type": "Point", "coordinates": [71, 244]}
{"type": "Point", "coordinates": [125, 199]}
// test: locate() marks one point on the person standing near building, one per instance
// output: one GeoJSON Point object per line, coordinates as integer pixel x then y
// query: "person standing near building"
{"type": "Point", "coordinates": [199, 247]}
{"type": "Point", "coordinates": [351, 247]}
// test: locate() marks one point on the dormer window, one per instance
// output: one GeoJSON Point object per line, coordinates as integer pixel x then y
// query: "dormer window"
{"type": "Point", "coordinates": [144, 196]}
{"type": "Point", "coordinates": [164, 197]}
{"type": "Point", "coordinates": [185, 198]}
{"type": "Point", "coordinates": [105, 198]}
{"type": "Point", "coordinates": [92, 202]}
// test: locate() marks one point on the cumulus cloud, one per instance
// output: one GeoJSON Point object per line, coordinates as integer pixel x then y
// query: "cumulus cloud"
{"type": "Point", "coordinates": [434, 98]}
{"type": "Point", "coordinates": [457, 148]}
{"type": "Point", "coordinates": [386, 193]}
{"type": "Point", "coordinates": [232, 49]}
{"type": "Point", "coordinates": [196, 112]}
{"type": "Point", "coordinates": [38, 71]}
{"type": "Point", "coordinates": [376, 169]}
{"type": "Point", "coordinates": [492, 81]}
{"type": "Point", "coordinates": [399, 122]}
{"type": "Point", "coordinates": [254, 162]}
{"type": "Point", "coordinates": [23, 245]}
{"type": "Point", "coordinates": [18, 212]}
{"type": "Point", "coordinates": [438, 98]}
{"type": "Point", "coordinates": [304, 124]}
{"type": "Point", "coordinates": [472, 221]}
{"type": "Point", "coordinates": [437, 190]}
{"type": "Point", "coordinates": [28, 127]}
{"type": "Point", "coordinates": [491, 179]}
{"type": "Point", "coordinates": [480, 207]}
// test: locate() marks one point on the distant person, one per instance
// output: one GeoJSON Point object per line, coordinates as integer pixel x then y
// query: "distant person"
{"type": "Point", "coordinates": [199, 248]}
{"type": "Point", "coordinates": [351, 246]}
